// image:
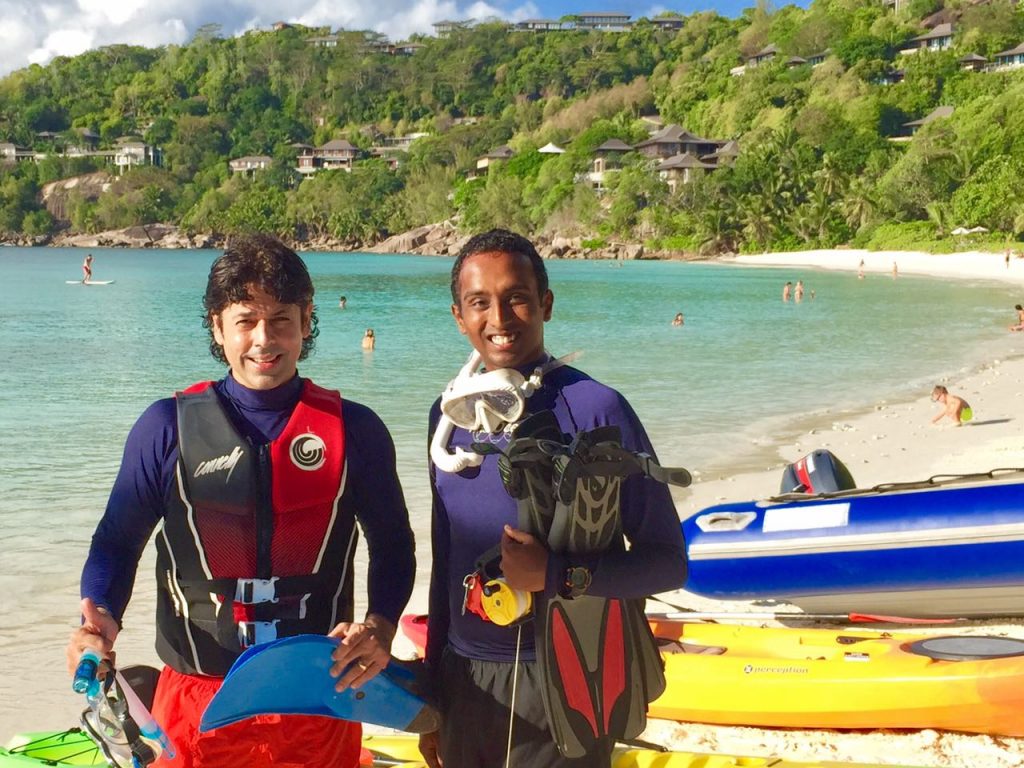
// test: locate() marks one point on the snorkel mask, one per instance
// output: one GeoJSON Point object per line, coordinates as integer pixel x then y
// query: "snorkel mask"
{"type": "Point", "coordinates": [121, 725]}
{"type": "Point", "coordinates": [488, 401]}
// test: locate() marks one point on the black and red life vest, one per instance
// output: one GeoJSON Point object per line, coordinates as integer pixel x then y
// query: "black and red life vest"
{"type": "Point", "coordinates": [254, 544]}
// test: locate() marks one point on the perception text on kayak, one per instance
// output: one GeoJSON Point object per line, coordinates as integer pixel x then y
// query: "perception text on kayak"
{"type": "Point", "coordinates": [750, 669]}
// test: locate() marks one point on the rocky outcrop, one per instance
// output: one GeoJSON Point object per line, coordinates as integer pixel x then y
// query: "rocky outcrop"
{"type": "Point", "coordinates": [25, 241]}
{"type": "Point", "coordinates": [140, 236]}
{"type": "Point", "coordinates": [88, 186]}
{"type": "Point", "coordinates": [430, 240]}
{"type": "Point", "coordinates": [441, 239]}
{"type": "Point", "coordinates": [444, 240]}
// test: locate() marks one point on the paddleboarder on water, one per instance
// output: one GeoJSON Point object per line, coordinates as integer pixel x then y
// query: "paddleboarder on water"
{"type": "Point", "coordinates": [87, 269]}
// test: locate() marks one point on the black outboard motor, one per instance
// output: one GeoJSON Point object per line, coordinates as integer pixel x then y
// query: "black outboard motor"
{"type": "Point", "coordinates": [817, 472]}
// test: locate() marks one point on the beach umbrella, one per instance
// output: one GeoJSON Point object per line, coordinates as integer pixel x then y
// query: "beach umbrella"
{"type": "Point", "coordinates": [961, 231]}
{"type": "Point", "coordinates": [977, 230]}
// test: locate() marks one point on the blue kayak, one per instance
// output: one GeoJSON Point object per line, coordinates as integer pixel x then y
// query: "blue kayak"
{"type": "Point", "coordinates": [947, 547]}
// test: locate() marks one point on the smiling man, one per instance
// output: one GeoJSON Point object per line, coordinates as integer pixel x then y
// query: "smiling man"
{"type": "Point", "coordinates": [501, 302]}
{"type": "Point", "coordinates": [256, 482]}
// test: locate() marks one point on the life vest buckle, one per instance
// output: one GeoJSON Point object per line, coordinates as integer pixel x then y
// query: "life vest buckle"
{"type": "Point", "coordinates": [253, 591]}
{"type": "Point", "coordinates": [252, 633]}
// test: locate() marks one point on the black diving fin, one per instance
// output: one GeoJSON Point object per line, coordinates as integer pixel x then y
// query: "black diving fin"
{"type": "Point", "coordinates": [526, 469]}
{"type": "Point", "coordinates": [598, 659]}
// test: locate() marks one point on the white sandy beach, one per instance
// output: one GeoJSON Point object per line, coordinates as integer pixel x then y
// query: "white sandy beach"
{"type": "Point", "coordinates": [887, 442]}
{"type": "Point", "coordinates": [963, 265]}
{"type": "Point", "coordinates": [884, 442]}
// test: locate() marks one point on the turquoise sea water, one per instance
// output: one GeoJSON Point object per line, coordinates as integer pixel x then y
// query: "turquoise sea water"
{"type": "Point", "coordinates": [80, 364]}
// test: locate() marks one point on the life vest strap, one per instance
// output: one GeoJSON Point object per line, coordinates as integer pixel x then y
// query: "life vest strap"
{"type": "Point", "coordinates": [252, 633]}
{"type": "Point", "coordinates": [254, 591]}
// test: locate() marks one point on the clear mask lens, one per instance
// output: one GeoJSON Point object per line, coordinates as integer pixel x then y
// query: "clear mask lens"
{"type": "Point", "coordinates": [107, 729]}
{"type": "Point", "coordinates": [488, 401]}
{"type": "Point", "coordinates": [108, 723]}
{"type": "Point", "coordinates": [495, 409]}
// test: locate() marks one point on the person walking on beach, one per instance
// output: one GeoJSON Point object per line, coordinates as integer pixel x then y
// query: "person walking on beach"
{"type": "Point", "coordinates": [895, 271]}
{"type": "Point", "coordinates": [86, 269]}
{"type": "Point", "coordinates": [956, 408]}
{"type": "Point", "coordinates": [369, 340]}
{"type": "Point", "coordinates": [1020, 318]}
{"type": "Point", "coordinates": [860, 270]}
{"type": "Point", "coordinates": [256, 482]}
{"type": "Point", "coordinates": [678, 319]}
{"type": "Point", "coordinates": [798, 292]}
{"type": "Point", "coordinates": [501, 302]}
{"type": "Point", "coordinates": [787, 290]}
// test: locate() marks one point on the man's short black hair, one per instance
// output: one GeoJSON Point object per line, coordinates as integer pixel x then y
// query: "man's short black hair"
{"type": "Point", "coordinates": [500, 241]}
{"type": "Point", "coordinates": [263, 262]}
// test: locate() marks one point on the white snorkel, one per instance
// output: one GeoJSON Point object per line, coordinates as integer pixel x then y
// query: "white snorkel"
{"type": "Point", "coordinates": [461, 458]}
{"type": "Point", "coordinates": [488, 401]}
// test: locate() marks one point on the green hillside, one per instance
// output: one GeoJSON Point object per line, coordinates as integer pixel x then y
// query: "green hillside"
{"type": "Point", "coordinates": [825, 152]}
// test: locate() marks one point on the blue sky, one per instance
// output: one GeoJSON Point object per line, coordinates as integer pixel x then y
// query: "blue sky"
{"type": "Point", "coordinates": [34, 31]}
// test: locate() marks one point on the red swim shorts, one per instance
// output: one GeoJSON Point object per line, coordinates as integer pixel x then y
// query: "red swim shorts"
{"type": "Point", "coordinates": [281, 741]}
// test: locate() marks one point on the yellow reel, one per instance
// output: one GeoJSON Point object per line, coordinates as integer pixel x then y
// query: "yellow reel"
{"type": "Point", "coordinates": [504, 605]}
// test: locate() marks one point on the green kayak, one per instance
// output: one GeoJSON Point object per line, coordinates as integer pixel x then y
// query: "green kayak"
{"type": "Point", "coordinates": [71, 747]}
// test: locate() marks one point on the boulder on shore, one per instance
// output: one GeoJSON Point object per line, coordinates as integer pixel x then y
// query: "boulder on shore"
{"type": "Point", "coordinates": [430, 240]}
{"type": "Point", "coordinates": [139, 236]}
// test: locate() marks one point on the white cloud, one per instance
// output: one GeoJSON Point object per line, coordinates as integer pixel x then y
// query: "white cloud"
{"type": "Point", "coordinates": [62, 42]}
{"type": "Point", "coordinates": [35, 32]}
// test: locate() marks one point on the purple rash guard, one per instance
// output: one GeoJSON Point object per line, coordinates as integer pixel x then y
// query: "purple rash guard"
{"type": "Point", "coordinates": [470, 509]}
{"type": "Point", "coordinates": [146, 478]}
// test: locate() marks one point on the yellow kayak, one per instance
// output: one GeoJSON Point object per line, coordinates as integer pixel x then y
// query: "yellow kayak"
{"type": "Point", "coordinates": [849, 678]}
{"type": "Point", "coordinates": [402, 749]}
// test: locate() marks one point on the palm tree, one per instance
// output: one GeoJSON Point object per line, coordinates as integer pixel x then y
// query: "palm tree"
{"type": "Point", "coordinates": [1018, 221]}
{"type": "Point", "coordinates": [859, 203]}
{"type": "Point", "coordinates": [830, 179]}
{"type": "Point", "coordinates": [715, 228]}
{"type": "Point", "coordinates": [940, 214]}
{"type": "Point", "coordinates": [756, 216]}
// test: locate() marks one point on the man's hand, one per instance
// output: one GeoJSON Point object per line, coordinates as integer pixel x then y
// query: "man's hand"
{"type": "Point", "coordinates": [429, 748]}
{"type": "Point", "coordinates": [98, 631]}
{"type": "Point", "coordinates": [524, 560]}
{"type": "Point", "coordinates": [366, 646]}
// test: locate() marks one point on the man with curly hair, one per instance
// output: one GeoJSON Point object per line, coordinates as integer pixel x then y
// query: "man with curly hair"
{"type": "Point", "coordinates": [256, 482]}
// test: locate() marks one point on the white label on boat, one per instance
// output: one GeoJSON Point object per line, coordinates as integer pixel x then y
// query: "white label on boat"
{"type": "Point", "coordinates": [804, 517]}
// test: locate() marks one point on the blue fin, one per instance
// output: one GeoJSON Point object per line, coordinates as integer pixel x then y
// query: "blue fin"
{"type": "Point", "coordinates": [291, 677]}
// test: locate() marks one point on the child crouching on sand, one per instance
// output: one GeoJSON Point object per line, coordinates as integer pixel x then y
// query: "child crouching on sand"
{"type": "Point", "coordinates": [955, 407]}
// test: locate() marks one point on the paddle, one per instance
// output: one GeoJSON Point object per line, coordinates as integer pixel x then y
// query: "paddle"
{"type": "Point", "coordinates": [853, 618]}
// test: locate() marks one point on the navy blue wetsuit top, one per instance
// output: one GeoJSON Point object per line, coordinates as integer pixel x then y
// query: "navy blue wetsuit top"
{"type": "Point", "coordinates": [470, 509]}
{"type": "Point", "coordinates": [145, 481]}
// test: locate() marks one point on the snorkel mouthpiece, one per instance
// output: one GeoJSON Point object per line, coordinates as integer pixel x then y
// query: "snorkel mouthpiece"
{"type": "Point", "coordinates": [86, 671]}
